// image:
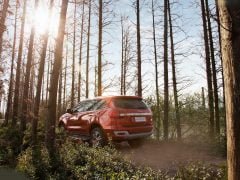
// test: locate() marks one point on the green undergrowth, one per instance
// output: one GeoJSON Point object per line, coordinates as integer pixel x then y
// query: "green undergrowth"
{"type": "Point", "coordinates": [73, 160]}
{"type": "Point", "coordinates": [79, 161]}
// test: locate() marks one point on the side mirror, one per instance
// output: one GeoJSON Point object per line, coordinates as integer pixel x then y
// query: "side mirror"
{"type": "Point", "coordinates": [69, 111]}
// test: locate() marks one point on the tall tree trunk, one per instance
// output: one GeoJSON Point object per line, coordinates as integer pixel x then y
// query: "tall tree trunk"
{"type": "Point", "coordinates": [122, 56]}
{"type": "Point", "coordinates": [230, 33]}
{"type": "Point", "coordinates": [40, 79]}
{"type": "Point", "coordinates": [100, 27]}
{"type": "Point", "coordinates": [59, 103]}
{"type": "Point", "coordinates": [18, 70]}
{"type": "Point", "coordinates": [156, 74]}
{"type": "Point", "coordinates": [65, 76]}
{"type": "Point", "coordinates": [175, 90]}
{"type": "Point", "coordinates": [88, 48]}
{"type": "Point", "coordinates": [48, 74]}
{"type": "Point", "coordinates": [2, 24]}
{"type": "Point", "coordinates": [125, 62]}
{"type": "Point", "coordinates": [165, 57]}
{"type": "Point", "coordinates": [25, 102]}
{"type": "Point", "coordinates": [139, 60]}
{"type": "Point", "coordinates": [203, 99]}
{"type": "Point", "coordinates": [73, 55]}
{"type": "Point", "coordinates": [10, 90]}
{"type": "Point", "coordinates": [220, 55]}
{"type": "Point", "coordinates": [214, 71]}
{"type": "Point", "coordinates": [31, 88]}
{"type": "Point", "coordinates": [80, 53]}
{"type": "Point", "coordinates": [208, 72]}
{"type": "Point", "coordinates": [52, 102]}
{"type": "Point", "coordinates": [95, 80]}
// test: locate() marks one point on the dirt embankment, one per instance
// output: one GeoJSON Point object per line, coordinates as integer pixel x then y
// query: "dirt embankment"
{"type": "Point", "coordinates": [169, 155]}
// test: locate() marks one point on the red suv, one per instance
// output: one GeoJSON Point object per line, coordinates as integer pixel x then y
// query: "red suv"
{"type": "Point", "coordinates": [116, 118]}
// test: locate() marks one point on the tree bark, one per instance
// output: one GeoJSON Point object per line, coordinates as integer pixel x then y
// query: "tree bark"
{"type": "Point", "coordinates": [25, 102]}
{"type": "Point", "coordinates": [80, 53]}
{"type": "Point", "coordinates": [122, 56]}
{"type": "Point", "coordinates": [100, 27]}
{"type": "Point", "coordinates": [10, 90]}
{"type": "Point", "coordinates": [40, 79]}
{"type": "Point", "coordinates": [203, 99]}
{"type": "Point", "coordinates": [65, 76]}
{"type": "Point", "coordinates": [18, 70]}
{"type": "Point", "coordinates": [73, 55]}
{"type": "Point", "coordinates": [165, 59]}
{"type": "Point", "coordinates": [175, 90]}
{"type": "Point", "coordinates": [208, 72]}
{"type": "Point", "coordinates": [220, 47]}
{"type": "Point", "coordinates": [2, 24]}
{"type": "Point", "coordinates": [139, 60]}
{"type": "Point", "coordinates": [88, 48]}
{"type": "Point", "coordinates": [52, 102]}
{"type": "Point", "coordinates": [230, 33]}
{"type": "Point", "coordinates": [214, 71]}
{"type": "Point", "coordinates": [156, 74]}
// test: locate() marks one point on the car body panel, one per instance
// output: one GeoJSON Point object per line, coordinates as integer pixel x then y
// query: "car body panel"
{"type": "Point", "coordinates": [117, 123]}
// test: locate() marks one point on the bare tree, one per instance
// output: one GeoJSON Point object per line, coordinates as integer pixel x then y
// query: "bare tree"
{"type": "Point", "coordinates": [52, 102]}
{"type": "Point", "coordinates": [156, 73]}
{"type": "Point", "coordinates": [73, 55]}
{"type": "Point", "coordinates": [214, 70]}
{"type": "Point", "coordinates": [10, 90]}
{"type": "Point", "coordinates": [165, 57]}
{"type": "Point", "coordinates": [100, 27]}
{"type": "Point", "coordinates": [40, 78]}
{"type": "Point", "coordinates": [80, 52]}
{"type": "Point", "coordinates": [174, 78]}
{"type": "Point", "coordinates": [230, 33]}
{"type": "Point", "coordinates": [2, 23]}
{"type": "Point", "coordinates": [18, 70]}
{"type": "Point", "coordinates": [139, 60]}
{"type": "Point", "coordinates": [88, 47]}
{"type": "Point", "coordinates": [208, 71]}
{"type": "Point", "coordinates": [25, 113]}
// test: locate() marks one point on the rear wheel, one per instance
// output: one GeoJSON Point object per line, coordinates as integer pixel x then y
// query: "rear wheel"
{"type": "Point", "coordinates": [98, 138]}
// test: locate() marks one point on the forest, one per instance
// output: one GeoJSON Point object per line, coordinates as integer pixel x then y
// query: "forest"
{"type": "Point", "coordinates": [181, 57]}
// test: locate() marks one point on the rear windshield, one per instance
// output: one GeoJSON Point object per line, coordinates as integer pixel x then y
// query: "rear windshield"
{"type": "Point", "coordinates": [130, 103]}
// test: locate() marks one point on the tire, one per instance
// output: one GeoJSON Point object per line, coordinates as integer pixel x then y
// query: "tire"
{"type": "Point", "coordinates": [98, 138]}
{"type": "Point", "coordinates": [135, 143]}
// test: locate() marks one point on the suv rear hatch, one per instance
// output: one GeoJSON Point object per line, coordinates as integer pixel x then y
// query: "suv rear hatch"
{"type": "Point", "coordinates": [130, 112]}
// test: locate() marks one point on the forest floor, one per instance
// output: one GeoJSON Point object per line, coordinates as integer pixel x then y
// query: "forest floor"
{"type": "Point", "coordinates": [168, 156]}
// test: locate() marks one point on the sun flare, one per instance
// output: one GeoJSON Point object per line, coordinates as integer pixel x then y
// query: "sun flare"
{"type": "Point", "coordinates": [42, 21]}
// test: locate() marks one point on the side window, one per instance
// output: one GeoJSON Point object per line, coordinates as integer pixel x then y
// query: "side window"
{"type": "Point", "coordinates": [75, 108]}
{"type": "Point", "coordinates": [85, 106]}
{"type": "Point", "coordinates": [100, 105]}
{"type": "Point", "coordinates": [89, 105]}
{"type": "Point", "coordinates": [82, 106]}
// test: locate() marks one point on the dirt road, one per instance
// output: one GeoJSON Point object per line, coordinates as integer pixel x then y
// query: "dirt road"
{"type": "Point", "coordinates": [168, 156]}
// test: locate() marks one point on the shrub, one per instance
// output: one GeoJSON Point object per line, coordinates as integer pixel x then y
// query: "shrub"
{"type": "Point", "coordinates": [10, 145]}
{"type": "Point", "coordinates": [79, 161]}
{"type": "Point", "coordinates": [198, 171]}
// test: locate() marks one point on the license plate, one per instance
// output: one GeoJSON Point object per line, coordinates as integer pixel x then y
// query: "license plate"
{"type": "Point", "coordinates": [140, 119]}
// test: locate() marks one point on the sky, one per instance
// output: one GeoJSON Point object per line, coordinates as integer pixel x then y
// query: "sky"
{"type": "Point", "coordinates": [187, 34]}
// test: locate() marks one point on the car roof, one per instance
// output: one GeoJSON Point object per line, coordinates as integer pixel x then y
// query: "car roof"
{"type": "Point", "coordinates": [118, 96]}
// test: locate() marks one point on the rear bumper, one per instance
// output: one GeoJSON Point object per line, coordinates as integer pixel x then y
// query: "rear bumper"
{"type": "Point", "coordinates": [127, 136]}
{"type": "Point", "coordinates": [122, 135]}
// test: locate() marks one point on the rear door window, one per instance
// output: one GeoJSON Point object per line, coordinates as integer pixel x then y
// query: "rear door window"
{"type": "Point", "coordinates": [84, 106]}
{"type": "Point", "coordinates": [129, 103]}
